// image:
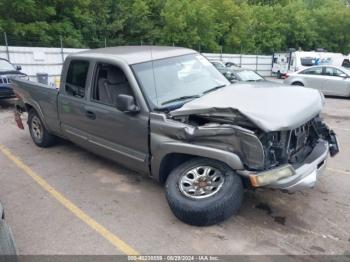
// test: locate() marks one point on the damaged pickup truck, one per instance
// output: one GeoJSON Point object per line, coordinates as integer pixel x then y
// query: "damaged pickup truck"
{"type": "Point", "coordinates": [169, 113]}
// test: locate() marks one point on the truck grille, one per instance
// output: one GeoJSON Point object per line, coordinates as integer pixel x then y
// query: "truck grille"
{"type": "Point", "coordinates": [298, 137]}
{"type": "Point", "coordinates": [4, 80]}
{"type": "Point", "coordinates": [291, 146]}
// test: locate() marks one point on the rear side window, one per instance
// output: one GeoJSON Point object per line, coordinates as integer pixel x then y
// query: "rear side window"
{"type": "Point", "coordinates": [76, 78]}
{"type": "Point", "coordinates": [346, 63]}
{"type": "Point", "coordinates": [308, 61]}
{"type": "Point", "coordinates": [312, 71]}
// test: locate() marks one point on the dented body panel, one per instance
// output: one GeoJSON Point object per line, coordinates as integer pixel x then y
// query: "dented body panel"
{"type": "Point", "coordinates": [270, 107]}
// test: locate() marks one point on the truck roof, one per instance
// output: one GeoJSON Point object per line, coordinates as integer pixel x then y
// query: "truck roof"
{"type": "Point", "coordinates": [135, 54]}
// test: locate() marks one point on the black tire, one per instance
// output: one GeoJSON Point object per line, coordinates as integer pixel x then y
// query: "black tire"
{"type": "Point", "coordinates": [297, 84]}
{"type": "Point", "coordinates": [7, 244]}
{"type": "Point", "coordinates": [279, 75]}
{"type": "Point", "coordinates": [207, 211]}
{"type": "Point", "coordinates": [45, 139]}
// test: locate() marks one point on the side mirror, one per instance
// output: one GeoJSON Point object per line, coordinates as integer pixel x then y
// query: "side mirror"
{"type": "Point", "coordinates": [344, 75]}
{"type": "Point", "coordinates": [18, 68]}
{"type": "Point", "coordinates": [126, 104]}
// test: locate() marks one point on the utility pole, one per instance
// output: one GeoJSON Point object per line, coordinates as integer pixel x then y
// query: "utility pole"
{"type": "Point", "coordinates": [7, 47]}
{"type": "Point", "coordinates": [62, 54]}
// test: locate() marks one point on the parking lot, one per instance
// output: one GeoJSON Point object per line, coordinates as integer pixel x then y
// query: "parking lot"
{"type": "Point", "coordinates": [120, 211]}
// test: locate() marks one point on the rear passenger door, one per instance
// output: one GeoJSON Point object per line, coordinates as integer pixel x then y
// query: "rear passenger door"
{"type": "Point", "coordinates": [313, 77]}
{"type": "Point", "coordinates": [121, 136]}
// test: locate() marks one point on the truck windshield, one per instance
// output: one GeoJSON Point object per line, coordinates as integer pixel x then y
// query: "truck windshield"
{"type": "Point", "coordinates": [6, 66]}
{"type": "Point", "coordinates": [177, 79]}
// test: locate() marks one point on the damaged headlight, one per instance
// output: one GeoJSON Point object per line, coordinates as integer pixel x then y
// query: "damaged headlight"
{"type": "Point", "coordinates": [271, 176]}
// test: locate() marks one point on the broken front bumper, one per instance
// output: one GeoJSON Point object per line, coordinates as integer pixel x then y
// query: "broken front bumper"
{"type": "Point", "coordinates": [291, 178]}
{"type": "Point", "coordinates": [306, 175]}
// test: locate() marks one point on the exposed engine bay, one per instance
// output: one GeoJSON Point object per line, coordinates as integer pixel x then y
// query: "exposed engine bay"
{"type": "Point", "coordinates": [258, 150]}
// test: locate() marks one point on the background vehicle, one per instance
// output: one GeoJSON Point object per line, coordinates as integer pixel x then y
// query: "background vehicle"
{"type": "Point", "coordinates": [280, 63]}
{"type": "Point", "coordinates": [8, 71]}
{"type": "Point", "coordinates": [301, 59]}
{"type": "Point", "coordinates": [244, 75]}
{"type": "Point", "coordinates": [238, 74]}
{"type": "Point", "coordinates": [167, 112]}
{"type": "Point", "coordinates": [7, 243]}
{"type": "Point", "coordinates": [222, 65]}
{"type": "Point", "coordinates": [331, 80]}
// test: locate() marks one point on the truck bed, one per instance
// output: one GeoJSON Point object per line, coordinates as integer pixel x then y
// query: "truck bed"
{"type": "Point", "coordinates": [40, 97]}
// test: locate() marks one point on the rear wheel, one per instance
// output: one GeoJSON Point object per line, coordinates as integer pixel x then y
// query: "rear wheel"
{"type": "Point", "coordinates": [297, 84]}
{"type": "Point", "coordinates": [40, 135]}
{"type": "Point", "coordinates": [204, 192]}
{"type": "Point", "coordinates": [279, 75]}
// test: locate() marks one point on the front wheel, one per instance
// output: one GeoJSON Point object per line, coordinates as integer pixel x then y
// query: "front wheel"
{"type": "Point", "coordinates": [40, 135]}
{"type": "Point", "coordinates": [204, 192]}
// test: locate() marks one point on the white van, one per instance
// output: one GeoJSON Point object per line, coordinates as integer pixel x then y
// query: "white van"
{"type": "Point", "coordinates": [301, 59]}
{"type": "Point", "coordinates": [280, 63]}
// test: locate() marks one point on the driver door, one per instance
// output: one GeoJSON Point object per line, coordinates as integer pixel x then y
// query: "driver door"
{"type": "Point", "coordinates": [123, 137]}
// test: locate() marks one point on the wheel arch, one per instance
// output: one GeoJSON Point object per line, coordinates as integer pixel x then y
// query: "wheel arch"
{"type": "Point", "coordinates": [166, 160]}
{"type": "Point", "coordinates": [297, 82]}
{"type": "Point", "coordinates": [32, 105]}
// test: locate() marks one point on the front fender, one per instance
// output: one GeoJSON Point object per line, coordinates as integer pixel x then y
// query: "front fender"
{"type": "Point", "coordinates": [174, 147]}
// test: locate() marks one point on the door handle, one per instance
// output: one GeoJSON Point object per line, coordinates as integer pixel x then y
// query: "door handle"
{"type": "Point", "coordinates": [90, 115]}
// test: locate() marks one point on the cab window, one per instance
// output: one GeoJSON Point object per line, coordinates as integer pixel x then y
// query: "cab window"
{"type": "Point", "coordinates": [110, 82]}
{"type": "Point", "coordinates": [76, 78]}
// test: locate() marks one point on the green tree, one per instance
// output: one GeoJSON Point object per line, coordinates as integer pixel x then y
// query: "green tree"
{"type": "Point", "coordinates": [209, 25]}
{"type": "Point", "coordinates": [188, 23]}
{"type": "Point", "coordinates": [333, 27]}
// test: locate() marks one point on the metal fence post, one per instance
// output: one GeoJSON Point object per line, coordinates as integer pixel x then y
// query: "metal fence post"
{"type": "Point", "coordinates": [62, 54]}
{"type": "Point", "coordinates": [7, 47]}
{"type": "Point", "coordinates": [220, 53]}
{"type": "Point", "coordinates": [240, 57]}
{"type": "Point", "coordinates": [105, 42]}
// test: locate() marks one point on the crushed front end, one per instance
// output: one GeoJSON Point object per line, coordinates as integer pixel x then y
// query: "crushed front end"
{"type": "Point", "coordinates": [294, 158]}
{"type": "Point", "coordinates": [289, 160]}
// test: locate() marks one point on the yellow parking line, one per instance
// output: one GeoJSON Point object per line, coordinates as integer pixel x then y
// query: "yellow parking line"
{"type": "Point", "coordinates": [339, 171]}
{"type": "Point", "coordinates": [116, 241]}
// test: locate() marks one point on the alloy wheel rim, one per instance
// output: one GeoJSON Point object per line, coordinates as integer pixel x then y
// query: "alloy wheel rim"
{"type": "Point", "coordinates": [201, 182]}
{"type": "Point", "coordinates": [37, 129]}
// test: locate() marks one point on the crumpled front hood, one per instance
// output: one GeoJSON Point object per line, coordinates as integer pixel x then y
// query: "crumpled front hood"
{"type": "Point", "coordinates": [269, 107]}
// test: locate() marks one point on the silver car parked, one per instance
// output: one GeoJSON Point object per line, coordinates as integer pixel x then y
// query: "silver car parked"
{"type": "Point", "coordinates": [331, 80]}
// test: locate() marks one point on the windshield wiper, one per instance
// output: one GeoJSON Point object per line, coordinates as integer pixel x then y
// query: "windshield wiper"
{"type": "Point", "coordinates": [213, 89]}
{"type": "Point", "coordinates": [179, 99]}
